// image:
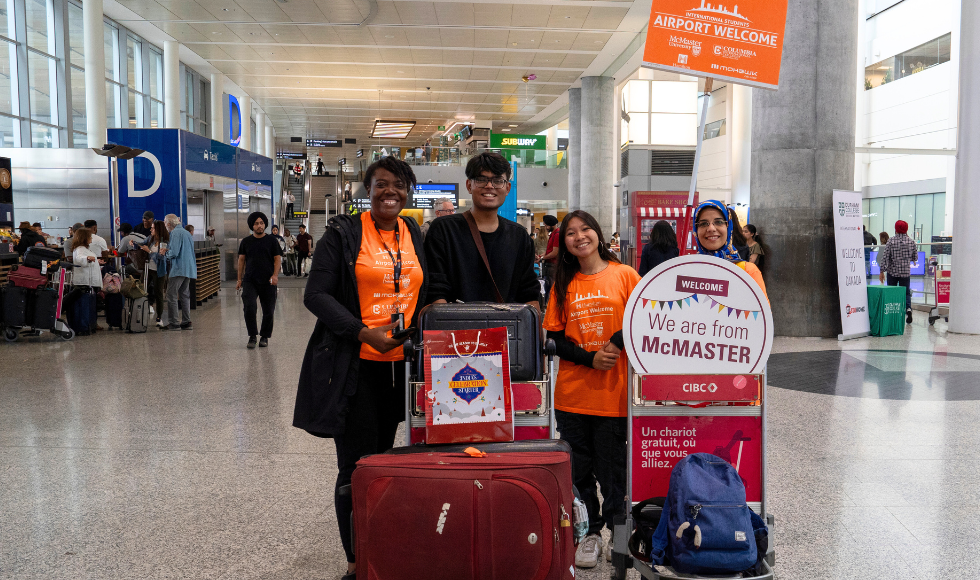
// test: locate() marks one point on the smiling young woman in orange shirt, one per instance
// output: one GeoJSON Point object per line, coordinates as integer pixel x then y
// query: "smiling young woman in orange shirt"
{"type": "Point", "coordinates": [585, 318]}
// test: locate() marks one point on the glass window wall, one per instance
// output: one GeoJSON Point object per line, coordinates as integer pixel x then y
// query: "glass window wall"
{"type": "Point", "coordinates": [925, 214]}
{"type": "Point", "coordinates": [908, 63]}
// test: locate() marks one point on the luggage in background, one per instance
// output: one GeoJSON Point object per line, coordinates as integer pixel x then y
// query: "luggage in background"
{"type": "Point", "coordinates": [44, 308]}
{"type": "Point", "coordinates": [114, 306]}
{"type": "Point", "coordinates": [35, 256]}
{"type": "Point", "coordinates": [523, 325]}
{"type": "Point", "coordinates": [25, 277]}
{"type": "Point", "coordinates": [14, 305]}
{"type": "Point", "coordinates": [432, 515]}
{"type": "Point", "coordinates": [136, 313]}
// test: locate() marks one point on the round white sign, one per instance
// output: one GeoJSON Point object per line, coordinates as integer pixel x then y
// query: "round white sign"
{"type": "Point", "coordinates": [698, 315]}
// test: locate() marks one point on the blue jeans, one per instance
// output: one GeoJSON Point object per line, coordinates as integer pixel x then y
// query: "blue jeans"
{"type": "Point", "coordinates": [598, 455]}
{"type": "Point", "coordinates": [900, 281]}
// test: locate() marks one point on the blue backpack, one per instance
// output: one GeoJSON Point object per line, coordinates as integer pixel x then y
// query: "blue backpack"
{"type": "Point", "coordinates": [706, 526]}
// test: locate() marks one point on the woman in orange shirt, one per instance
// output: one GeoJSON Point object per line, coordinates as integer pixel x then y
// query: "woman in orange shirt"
{"type": "Point", "coordinates": [585, 319]}
{"type": "Point", "coordinates": [714, 238]}
{"type": "Point", "coordinates": [366, 268]}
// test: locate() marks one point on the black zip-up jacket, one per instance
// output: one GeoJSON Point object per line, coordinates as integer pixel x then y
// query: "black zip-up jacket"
{"type": "Point", "coordinates": [330, 368]}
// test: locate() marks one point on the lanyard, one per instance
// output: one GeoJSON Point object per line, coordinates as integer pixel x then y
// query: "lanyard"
{"type": "Point", "coordinates": [398, 249]}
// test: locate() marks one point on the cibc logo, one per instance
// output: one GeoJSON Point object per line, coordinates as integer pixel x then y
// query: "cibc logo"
{"type": "Point", "coordinates": [699, 387]}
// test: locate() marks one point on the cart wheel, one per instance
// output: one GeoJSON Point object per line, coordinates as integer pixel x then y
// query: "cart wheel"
{"type": "Point", "coordinates": [932, 320]}
{"type": "Point", "coordinates": [10, 334]}
{"type": "Point", "coordinates": [68, 335]}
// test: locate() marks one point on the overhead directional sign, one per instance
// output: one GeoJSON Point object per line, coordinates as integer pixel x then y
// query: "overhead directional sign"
{"type": "Point", "coordinates": [324, 143]}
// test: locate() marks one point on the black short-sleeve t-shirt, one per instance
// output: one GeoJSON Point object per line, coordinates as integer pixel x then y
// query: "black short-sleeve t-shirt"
{"type": "Point", "coordinates": [260, 257]}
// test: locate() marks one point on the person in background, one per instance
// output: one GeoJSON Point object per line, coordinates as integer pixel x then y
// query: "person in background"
{"type": "Point", "coordinates": [427, 150]}
{"type": "Point", "coordinates": [319, 164]}
{"type": "Point", "coordinates": [87, 274]}
{"type": "Point", "coordinates": [869, 243]}
{"type": "Point", "coordinates": [443, 206]}
{"type": "Point", "coordinates": [290, 200]}
{"type": "Point", "coordinates": [590, 390]}
{"type": "Point", "coordinates": [713, 228]}
{"type": "Point", "coordinates": [548, 260]}
{"type": "Point", "coordinates": [211, 237]}
{"type": "Point", "coordinates": [304, 244]}
{"type": "Point", "coordinates": [738, 235]}
{"type": "Point", "coordinates": [352, 382]}
{"type": "Point", "coordinates": [661, 247]}
{"type": "Point", "coordinates": [895, 260]}
{"type": "Point", "coordinates": [145, 227]}
{"type": "Point", "coordinates": [540, 242]}
{"type": "Point", "coordinates": [28, 238]}
{"type": "Point", "coordinates": [456, 268]}
{"type": "Point", "coordinates": [614, 242]}
{"type": "Point", "coordinates": [275, 234]}
{"type": "Point", "coordinates": [183, 269]}
{"type": "Point", "coordinates": [757, 250]}
{"type": "Point", "coordinates": [71, 236]}
{"type": "Point", "coordinates": [190, 229]}
{"type": "Point", "coordinates": [883, 237]}
{"type": "Point", "coordinates": [130, 239]}
{"type": "Point", "coordinates": [289, 266]}
{"type": "Point", "coordinates": [259, 261]}
{"type": "Point", "coordinates": [36, 226]}
{"type": "Point", "coordinates": [98, 244]}
{"type": "Point", "coordinates": [156, 284]}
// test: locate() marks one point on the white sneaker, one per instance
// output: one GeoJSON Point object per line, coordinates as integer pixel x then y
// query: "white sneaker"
{"type": "Point", "coordinates": [587, 554]}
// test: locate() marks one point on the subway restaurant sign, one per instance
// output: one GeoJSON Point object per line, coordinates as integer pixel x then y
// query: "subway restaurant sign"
{"type": "Point", "coordinates": [503, 141]}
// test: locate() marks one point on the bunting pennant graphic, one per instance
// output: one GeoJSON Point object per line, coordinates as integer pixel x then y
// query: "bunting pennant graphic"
{"type": "Point", "coordinates": [671, 305]}
{"type": "Point", "coordinates": [755, 315]}
{"type": "Point", "coordinates": [688, 301]}
{"type": "Point", "coordinates": [730, 310]}
{"type": "Point", "coordinates": [738, 312]}
{"type": "Point", "coordinates": [644, 302]}
{"type": "Point", "coordinates": [680, 304]}
{"type": "Point", "coordinates": [746, 314]}
{"type": "Point", "coordinates": [720, 306]}
{"type": "Point", "coordinates": [702, 299]}
{"type": "Point", "coordinates": [654, 304]}
{"type": "Point", "coordinates": [695, 296]}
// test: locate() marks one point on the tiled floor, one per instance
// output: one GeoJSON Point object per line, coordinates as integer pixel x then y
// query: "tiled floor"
{"type": "Point", "coordinates": [170, 455]}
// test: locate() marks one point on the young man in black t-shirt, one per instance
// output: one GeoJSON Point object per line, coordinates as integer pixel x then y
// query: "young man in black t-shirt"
{"type": "Point", "coordinates": [259, 258]}
{"type": "Point", "coordinates": [456, 269]}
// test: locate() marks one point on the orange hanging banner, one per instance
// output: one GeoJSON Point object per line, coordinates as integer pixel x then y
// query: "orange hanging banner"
{"type": "Point", "coordinates": [740, 43]}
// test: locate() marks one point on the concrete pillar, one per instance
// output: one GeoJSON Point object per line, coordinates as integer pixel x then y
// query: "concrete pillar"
{"type": "Point", "coordinates": [171, 84]}
{"type": "Point", "coordinates": [246, 104]}
{"type": "Point", "coordinates": [574, 148]}
{"type": "Point", "coordinates": [598, 148]}
{"type": "Point", "coordinates": [803, 149]}
{"type": "Point", "coordinates": [551, 136]}
{"type": "Point", "coordinates": [218, 108]}
{"type": "Point", "coordinates": [94, 44]}
{"type": "Point", "coordinates": [740, 135]}
{"type": "Point", "coordinates": [259, 139]}
{"type": "Point", "coordinates": [964, 316]}
{"type": "Point", "coordinates": [270, 141]}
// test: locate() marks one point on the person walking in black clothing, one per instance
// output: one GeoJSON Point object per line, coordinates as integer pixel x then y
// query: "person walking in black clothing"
{"type": "Point", "coordinates": [28, 238]}
{"type": "Point", "coordinates": [145, 227]}
{"type": "Point", "coordinates": [304, 243]}
{"type": "Point", "coordinates": [456, 268]}
{"type": "Point", "coordinates": [661, 247]}
{"type": "Point", "coordinates": [259, 260]}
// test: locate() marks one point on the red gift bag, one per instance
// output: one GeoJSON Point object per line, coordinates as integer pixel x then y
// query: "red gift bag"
{"type": "Point", "coordinates": [467, 386]}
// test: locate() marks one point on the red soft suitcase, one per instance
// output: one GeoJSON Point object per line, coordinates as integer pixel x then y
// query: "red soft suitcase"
{"type": "Point", "coordinates": [25, 277]}
{"type": "Point", "coordinates": [434, 515]}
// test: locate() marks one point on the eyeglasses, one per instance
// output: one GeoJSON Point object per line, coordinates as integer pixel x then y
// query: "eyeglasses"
{"type": "Point", "coordinates": [718, 223]}
{"type": "Point", "coordinates": [497, 182]}
{"type": "Point", "coordinates": [450, 211]}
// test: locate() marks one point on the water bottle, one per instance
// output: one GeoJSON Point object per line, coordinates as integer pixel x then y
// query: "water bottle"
{"type": "Point", "coordinates": [581, 519]}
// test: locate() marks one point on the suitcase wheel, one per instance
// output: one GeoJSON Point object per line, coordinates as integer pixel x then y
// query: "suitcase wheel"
{"type": "Point", "coordinates": [10, 334]}
{"type": "Point", "coordinates": [70, 334]}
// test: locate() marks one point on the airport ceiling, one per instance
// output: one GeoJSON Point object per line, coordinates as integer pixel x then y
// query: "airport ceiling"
{"type": "Point", "coordinates": [328, 68]}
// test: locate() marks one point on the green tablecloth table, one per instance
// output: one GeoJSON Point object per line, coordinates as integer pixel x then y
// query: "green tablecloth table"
{"type": "Point", "coordinates": [886, 309]}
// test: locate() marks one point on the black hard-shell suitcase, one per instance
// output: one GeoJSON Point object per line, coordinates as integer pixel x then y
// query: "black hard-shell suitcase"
{"type": "Point", "coordinates": [45, 309]}
{"type": "Point", "coordinates": [15, 305]}
{"type": "Point", "coordinates": [114, 304]}
{"type": "Point", "coordinates": [523, 323]}
{"type": "Point", "coordinates": [35, 256]}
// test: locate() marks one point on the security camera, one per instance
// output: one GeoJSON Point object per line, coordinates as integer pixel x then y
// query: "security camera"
{"type": "Point", "coordinates": [430, 181]}
{"type": "Point", "coordinates": [544, 184]}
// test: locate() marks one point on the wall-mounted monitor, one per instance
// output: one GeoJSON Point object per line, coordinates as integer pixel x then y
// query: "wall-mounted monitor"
{"type": "Point", "coordinates": [427, 193]}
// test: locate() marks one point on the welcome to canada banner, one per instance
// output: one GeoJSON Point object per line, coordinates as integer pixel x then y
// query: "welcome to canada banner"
{"type": "Point", "coordinates": [740, 41]}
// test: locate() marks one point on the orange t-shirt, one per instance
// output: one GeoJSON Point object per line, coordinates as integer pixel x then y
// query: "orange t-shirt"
{"type": "Point", "coordinates": [753, 270]}
{"type": "Point", "coordinates": [594, 307]}
{"type": "Point", "coordinates": [375, 273]}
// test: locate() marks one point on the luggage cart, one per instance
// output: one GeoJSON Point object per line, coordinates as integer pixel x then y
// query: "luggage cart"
{"type": "Point", "coordinates": [59, 328]}
{"type": "Point", "coordinates": [533, 401]}
{"type": "Point", "coordinates": [940, 306]}
{"type": "Point", "coordinates": [730, 412]}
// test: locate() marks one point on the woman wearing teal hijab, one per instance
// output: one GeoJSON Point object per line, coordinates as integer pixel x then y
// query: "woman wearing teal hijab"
{"type": "Point", "coordinates": [713, 237]}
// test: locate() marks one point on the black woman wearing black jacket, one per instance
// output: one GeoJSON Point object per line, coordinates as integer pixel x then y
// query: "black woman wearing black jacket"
{"type": "Point", "coordinates": [366, 267]}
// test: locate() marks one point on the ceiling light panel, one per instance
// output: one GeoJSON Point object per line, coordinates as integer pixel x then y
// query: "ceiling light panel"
{"type": "Point", "coordinates": [392, 129]}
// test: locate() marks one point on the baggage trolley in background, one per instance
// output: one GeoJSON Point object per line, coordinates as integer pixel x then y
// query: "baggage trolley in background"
{"type": "Point", "coordinates": [45, 306]}
{"type": "Point", "coordinates": [532, 397]}
{"type": "Point", "coordinates": [671, 416]}
{"type": "Point", "coordinates": [940, 308]}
